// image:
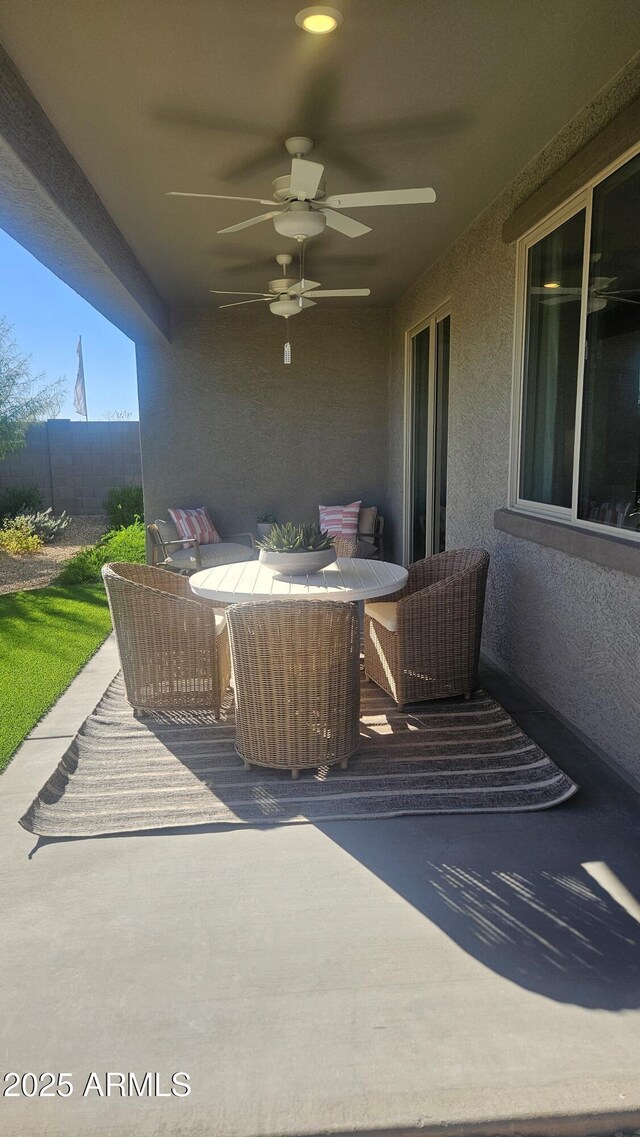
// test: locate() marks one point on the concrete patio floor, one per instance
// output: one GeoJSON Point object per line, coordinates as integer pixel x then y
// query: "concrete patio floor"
{"type": "Point", "coordinates": [464, 974]}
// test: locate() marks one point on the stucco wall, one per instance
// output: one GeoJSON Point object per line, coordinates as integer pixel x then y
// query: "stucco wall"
{"type": "Point", "coordinates": [225, 423]}
{"type": "Point", "coordinates": [48, 204]}
{"type": "Point", "coordinates": [566, 627]}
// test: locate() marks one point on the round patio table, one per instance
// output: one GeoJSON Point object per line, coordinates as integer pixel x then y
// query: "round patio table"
{"type": "Point", "coordinates": [347, 579]}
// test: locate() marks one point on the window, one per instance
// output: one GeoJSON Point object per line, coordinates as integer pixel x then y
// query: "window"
{"type": "Point", "coordinates": [578, 452]}
{"type": "Point", "coordinates": [427, 437]}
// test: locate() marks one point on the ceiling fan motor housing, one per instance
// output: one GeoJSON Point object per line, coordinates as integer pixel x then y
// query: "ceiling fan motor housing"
{"type": "Point", "coordinates": [282, 189]}
{"type": "Point", "coordinates": [282, 284]}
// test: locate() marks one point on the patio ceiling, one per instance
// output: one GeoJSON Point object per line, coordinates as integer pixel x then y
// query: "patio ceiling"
{"type": "Point", "coordinates": [157, 95]}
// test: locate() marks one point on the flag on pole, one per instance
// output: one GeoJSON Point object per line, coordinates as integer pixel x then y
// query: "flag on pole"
{"type": "Point", "coordinates": [79, 393]}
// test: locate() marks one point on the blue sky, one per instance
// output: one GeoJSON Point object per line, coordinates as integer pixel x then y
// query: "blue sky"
{"type": "Point", "coordinates": [48, 317]}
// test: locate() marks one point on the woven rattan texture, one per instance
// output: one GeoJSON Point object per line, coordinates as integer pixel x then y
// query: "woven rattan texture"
{"type": "Point", "coordinates": [297, 682]}
{"type": "Point", "coordinates": [434, 651]}
{"type": "Point", "coordinates": [170, 652]}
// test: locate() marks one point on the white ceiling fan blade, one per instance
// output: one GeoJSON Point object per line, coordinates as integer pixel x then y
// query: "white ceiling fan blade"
{"type": "Point", "coordinates": [303, 286]}
{"type": "Point", "coordinates": [382, 197]}
{"type": "Point", "coordinates": [600, 283]}
{"type": "Point", "coordinates": [221, 197]}
{"type": "Point", "coordinates": [239, 303]}
{"type": "Point", "coordinates": [251, 221]}
{"type": "Point", "coordinates": [618, 297]}
{"type": "Point", "coordinates": [300, 301]}
{"type": "Point", "coordinates": [552, 301]}
{"type": "Point", "coordinates": [343, 292]}
{"type": "Point", "coordinates": [232, 292]}
{"type": "Point", "coordinates": [569, 293]}
{"type": "Point", "coordinates": [305, 178]}
{"type": "Point", "coordinates": [346, 225]}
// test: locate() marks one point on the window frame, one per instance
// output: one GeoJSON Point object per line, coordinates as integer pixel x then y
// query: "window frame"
{"type": "Point", "coordinates": [431, 321]}
{"type": "Point", "coordinates": [581, 200]}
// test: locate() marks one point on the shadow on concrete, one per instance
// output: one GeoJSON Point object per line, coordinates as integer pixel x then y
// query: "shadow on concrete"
{"type": "Point", "coordinates": [544, 899]}
{"type": "Point", "coordinates": [527, 909]}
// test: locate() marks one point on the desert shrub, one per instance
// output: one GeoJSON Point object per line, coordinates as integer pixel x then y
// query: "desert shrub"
{"type": "Point", "coordinates": [44, 524]}
{"type": "Point", "coordinates": [122, 505]}
{"type": "Point", "coordinates": [19, 499]}
{"type": "Point", "coordinates": [126, 544]}
{"type": "Point", "coordinates": [18, 538]}
{"type": "Point", "coordinates": [84, 568]}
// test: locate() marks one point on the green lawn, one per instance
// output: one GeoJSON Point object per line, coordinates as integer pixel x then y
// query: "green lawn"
{"type": "Point", "coordinates": [45, 637]}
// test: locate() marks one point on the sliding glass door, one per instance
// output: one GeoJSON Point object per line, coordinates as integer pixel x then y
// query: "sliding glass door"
{"type": "Point", "coordinates": [427, 426]}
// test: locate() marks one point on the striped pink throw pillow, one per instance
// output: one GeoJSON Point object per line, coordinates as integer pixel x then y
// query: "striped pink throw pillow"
{"type": "Point", "coordinates": [195, 523]}
{"type": "Point", "coordinates": [340, 520]}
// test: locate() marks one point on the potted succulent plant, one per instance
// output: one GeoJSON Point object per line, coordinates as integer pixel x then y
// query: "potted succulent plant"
{"type": "Point", "coordinates": [295, 550]}
{"type": "Point", "coordinates": [265, 523]}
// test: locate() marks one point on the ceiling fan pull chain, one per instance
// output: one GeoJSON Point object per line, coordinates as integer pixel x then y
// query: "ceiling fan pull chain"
{"type": "Point", "coordinates": [287, 346]}
{"type": "Point", "coordinates": [302, 280]}
{"type": "Point", "coordinates": [301, 257]}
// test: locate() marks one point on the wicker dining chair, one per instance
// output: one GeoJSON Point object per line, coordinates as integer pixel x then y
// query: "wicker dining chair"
{"type": "Point", "coordinates": [368, 542]}
{"type": "Point", "coordinates": [174, 648]}
{"type": "Point", "coordinates": [424, 641]}
{"type": "Point", "coordinates": [297, 682]}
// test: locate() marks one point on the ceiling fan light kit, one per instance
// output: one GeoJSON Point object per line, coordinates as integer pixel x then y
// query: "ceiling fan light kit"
{"type": "Point", "coordinates": [300, 222]}
{"type": "Point", "coordinates": [289, 306]}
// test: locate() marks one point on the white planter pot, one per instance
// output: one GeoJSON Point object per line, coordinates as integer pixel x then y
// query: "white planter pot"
{"type": "Point", "coordinates": [297, 564]}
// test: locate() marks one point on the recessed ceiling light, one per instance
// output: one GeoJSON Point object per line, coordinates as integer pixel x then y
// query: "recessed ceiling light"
{"type": "Point", "coordinates": [319, 20]}
{"type": "Point", "coordinates": [552, 284]}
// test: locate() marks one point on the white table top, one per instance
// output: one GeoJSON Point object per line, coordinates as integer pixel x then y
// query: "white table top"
{"type": "Point", "coordinates": [346, 579]}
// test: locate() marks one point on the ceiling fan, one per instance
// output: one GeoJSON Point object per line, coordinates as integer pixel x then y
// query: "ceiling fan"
{"type": "Point", "coordinates": [288, 296]}
{"type": "Point", "coordinates": [306, 209]}
{"type": "Point", "coordinates": [599, 293]}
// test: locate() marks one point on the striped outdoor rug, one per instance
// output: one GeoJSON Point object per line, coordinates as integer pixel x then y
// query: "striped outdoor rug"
{"type": "Point", "coordinates": [121, 774]}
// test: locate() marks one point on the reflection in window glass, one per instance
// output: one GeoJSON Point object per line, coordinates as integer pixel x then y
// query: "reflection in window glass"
{"type": "Point", "coordinates": [443, 337]}
{"type": "Point", "coordinates": [610, 458]}
{"type": "Point", "coordinates": [554, 279]}
{"type": "Point", "coordinates": [420, 364]}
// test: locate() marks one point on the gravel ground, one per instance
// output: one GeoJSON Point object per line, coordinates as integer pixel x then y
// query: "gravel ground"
{"type": "Point", "coordinates": [17, 573]}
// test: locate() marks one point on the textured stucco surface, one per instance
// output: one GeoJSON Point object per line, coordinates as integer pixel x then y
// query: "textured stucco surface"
{"type": "Point", "coordinates": [567, 627]}
{"type": "Point", "coordinates": [48, 204]}
{"type": "Point", "coordinates": [225, 423]}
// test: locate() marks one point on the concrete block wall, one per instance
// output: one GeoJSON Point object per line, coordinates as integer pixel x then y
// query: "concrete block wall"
{"type": "Point", "coordinates": [31, 466]}
{"type": "Point", "coordinates": [74, 464]}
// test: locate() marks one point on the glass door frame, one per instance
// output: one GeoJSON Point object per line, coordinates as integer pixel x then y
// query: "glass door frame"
{"type": "Point", "coordinates": [431, 322]}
